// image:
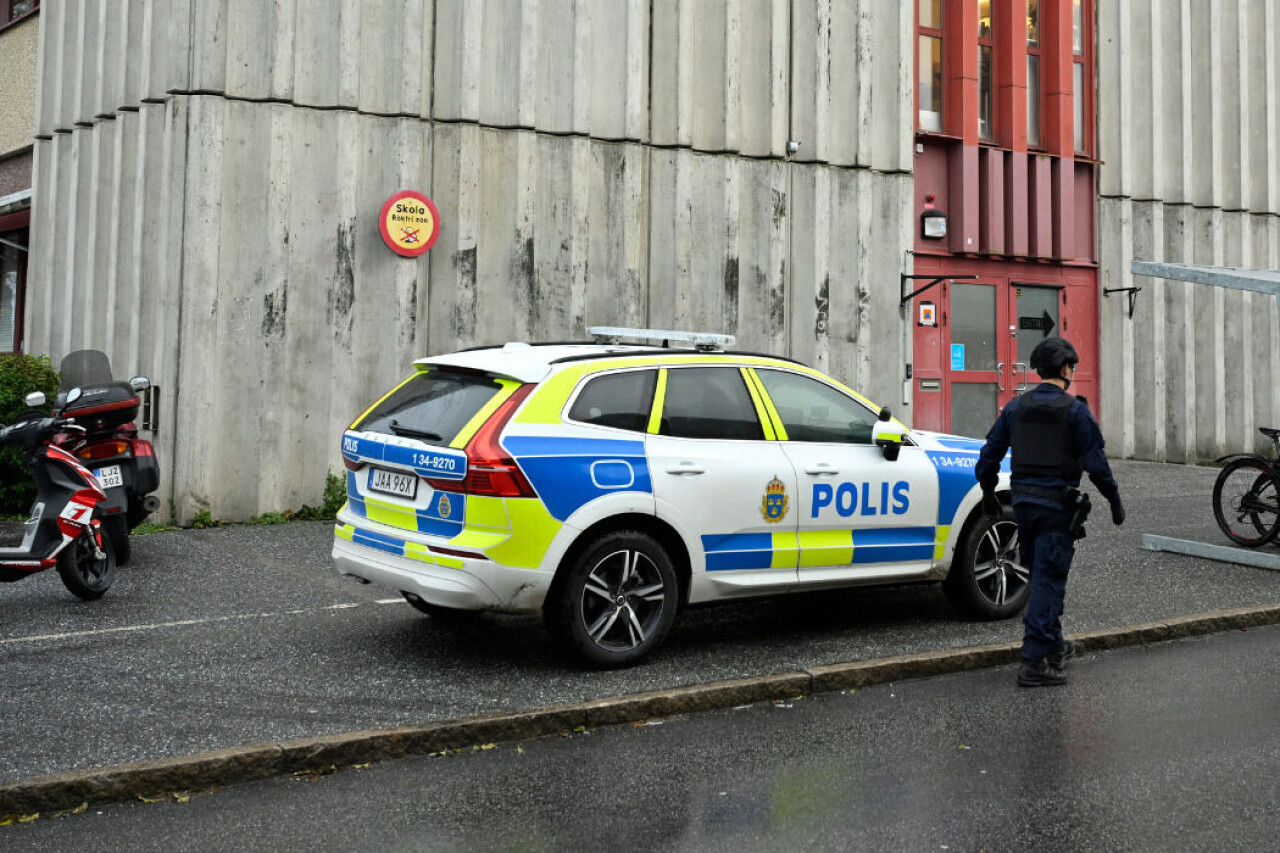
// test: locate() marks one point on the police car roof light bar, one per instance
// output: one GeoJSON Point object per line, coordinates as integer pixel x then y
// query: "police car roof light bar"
{"type": "Point", "coordinates": [704, 341]}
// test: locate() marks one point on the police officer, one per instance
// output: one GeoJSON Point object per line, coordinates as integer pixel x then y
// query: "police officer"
{"type": "Point", "coordinates": [1054, 437]}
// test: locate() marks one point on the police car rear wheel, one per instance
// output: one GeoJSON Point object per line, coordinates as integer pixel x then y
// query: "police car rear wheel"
{"type": "Point", "coordinates": [619, 600]}
{"type": "Point", "coordinates": [986, 580]}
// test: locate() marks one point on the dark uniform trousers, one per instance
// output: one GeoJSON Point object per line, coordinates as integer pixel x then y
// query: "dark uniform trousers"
{"type": "Point", "coordinates": [1046, 548]}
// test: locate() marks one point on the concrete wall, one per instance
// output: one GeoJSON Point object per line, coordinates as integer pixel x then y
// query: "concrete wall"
{"type": "Point", "coordinates": [207, 189]}
{"type": "Point", "coordinates": [1188, 121]}
{"type": "Point", "coordinates": [19, 46]}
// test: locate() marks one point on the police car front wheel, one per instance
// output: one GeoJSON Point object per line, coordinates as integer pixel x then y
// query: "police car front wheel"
{"type": "Point", "coordinates": [618, 601]}
{"type": "Point", "coordinates": [987, 581]}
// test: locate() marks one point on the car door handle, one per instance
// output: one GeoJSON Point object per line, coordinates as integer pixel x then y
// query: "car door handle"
{"type": "Point", "coordinates": [820, 469]}
{"type": "Point", "coordinates": [686, 468]}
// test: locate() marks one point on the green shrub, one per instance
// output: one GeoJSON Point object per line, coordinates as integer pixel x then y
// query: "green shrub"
{"type": "Point", "coordinates": [335, 495]}
{"type": "Point", "coordinates": [20, 375]}
{"type": "Point", "coordinates": [202, 520]}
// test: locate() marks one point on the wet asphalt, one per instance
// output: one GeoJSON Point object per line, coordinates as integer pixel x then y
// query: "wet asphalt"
{"type": "Point", "coordinates": [1168, 747]}
{"type": "Point", "coordinates": [242, 635]}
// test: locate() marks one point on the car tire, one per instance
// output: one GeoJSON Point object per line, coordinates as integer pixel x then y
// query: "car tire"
{"type": "Point", "coordinates": [986, 580]}
{"type": "Point", "coordinates": [618, 601]}
{"type": "Point", "coordinates": [436, 611]}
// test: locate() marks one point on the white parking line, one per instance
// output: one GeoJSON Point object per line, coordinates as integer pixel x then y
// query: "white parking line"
{"type": "Point", "coordinates": [389, 601]}
{"type": "Point", "coordinates": [128, 628]}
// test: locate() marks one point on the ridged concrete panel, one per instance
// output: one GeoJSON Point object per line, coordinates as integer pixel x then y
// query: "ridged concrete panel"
{"type": "Point", "coordinates": [1190, 114]}
{"type": "Point", "coordinates": [851, 87]}
{"type": "Point", "coordinates": [1188, 138]}
{"type": "Point", "coordinates": [548, 237]}
{"type": "Point", "coordinates": [559, 66]}
{"type": "Point", "coordinates": [118, 293]}
{"type": "Point", "coordinates": [1187, 377]}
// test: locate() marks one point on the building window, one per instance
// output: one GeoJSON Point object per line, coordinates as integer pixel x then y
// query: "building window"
{"type": "Point", "coordinates": [12, 265]}
{"type": "Point", "coordinates": [1033, 73]}
{"type": "Point", "coordinates": [929, 62]}
{"type": "Point", "coordinates": [12, 10]}
{"type": "Point", "coordinates": [986, 47]}
{"type": "Point", "coordinates": [1080, 92]}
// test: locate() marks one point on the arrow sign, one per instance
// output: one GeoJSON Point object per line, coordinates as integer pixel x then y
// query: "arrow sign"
{"type": "Point", "coordinates": [1044, 324]}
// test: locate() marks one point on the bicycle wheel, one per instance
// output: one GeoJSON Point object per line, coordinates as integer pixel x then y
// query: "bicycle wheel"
{"type": "Point", "coordinates": [1246, 502]}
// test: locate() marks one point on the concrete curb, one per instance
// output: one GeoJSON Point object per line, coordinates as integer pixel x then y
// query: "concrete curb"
{"type": "Point", "coordinates": [263, 761]}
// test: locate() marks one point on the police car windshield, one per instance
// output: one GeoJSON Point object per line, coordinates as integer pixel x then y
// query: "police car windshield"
{"type": "Point", "coordinates": [432, 406]}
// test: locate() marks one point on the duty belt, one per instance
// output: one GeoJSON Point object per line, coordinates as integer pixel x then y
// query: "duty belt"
{"type": "Point", "coordinates": [1061, 494]}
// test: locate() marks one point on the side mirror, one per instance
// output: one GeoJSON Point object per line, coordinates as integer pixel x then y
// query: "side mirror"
{"type": "Point", "coordinates": [884, 413]}
{"type": "Point", "coordinates": [889, 437]}
{"type": "Point", "coordinates": [139, 383]}
{"type": "Point", "coordinates": [36, 399]}
{"type": "Point", "coordinates": [63, 400]}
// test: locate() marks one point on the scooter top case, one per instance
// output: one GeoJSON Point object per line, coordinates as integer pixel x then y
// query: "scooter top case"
{"type": "Point", "coordinates": [104, 403]}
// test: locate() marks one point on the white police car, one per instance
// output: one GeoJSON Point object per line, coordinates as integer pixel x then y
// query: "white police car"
{"type": "Point", "coordinates": [609, 484]}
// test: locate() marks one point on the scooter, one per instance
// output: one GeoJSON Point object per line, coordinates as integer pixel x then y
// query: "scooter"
{"type": "Point", "coordinates": [64, 529]}
{"type": "Point", "coordinates": [124, 464]}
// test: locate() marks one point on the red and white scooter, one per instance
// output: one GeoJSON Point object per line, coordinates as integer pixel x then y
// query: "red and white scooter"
{"type": "Point", "coordinates": [63, 530]}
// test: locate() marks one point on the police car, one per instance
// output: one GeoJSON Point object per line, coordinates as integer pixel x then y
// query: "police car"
{"type": "Point", "coordinates": [609, 484]}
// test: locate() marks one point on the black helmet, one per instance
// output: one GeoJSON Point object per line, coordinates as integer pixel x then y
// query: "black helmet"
{"type": "Point", "coordinates": [1050, 354]}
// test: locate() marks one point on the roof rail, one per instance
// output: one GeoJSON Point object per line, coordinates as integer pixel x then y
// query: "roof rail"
{"type": "Point", "coordinates": [702, 341]}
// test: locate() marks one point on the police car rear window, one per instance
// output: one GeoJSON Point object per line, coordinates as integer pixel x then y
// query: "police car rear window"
{"type": "Point", "coordinates": [432, 407]}
{"type": "Point", "coordinates": [620, 400]}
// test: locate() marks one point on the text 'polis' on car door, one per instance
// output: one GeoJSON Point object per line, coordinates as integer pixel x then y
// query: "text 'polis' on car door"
{"type": "Point", "coordinates": [721, 480]}
{"type": "Point", "coordinates": [859, 515]}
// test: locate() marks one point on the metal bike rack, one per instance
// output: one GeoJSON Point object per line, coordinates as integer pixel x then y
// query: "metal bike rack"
{"type": "Point", "coordinates": [1221, 553]}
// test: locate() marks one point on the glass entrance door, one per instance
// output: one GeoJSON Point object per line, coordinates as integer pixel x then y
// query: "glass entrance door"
{"type": "Point", "coordinates": [993, 328]}
{"type": "Point", "coordinates": [976, 357]}
{"type": "Point", "coordinates": [1036, 316]}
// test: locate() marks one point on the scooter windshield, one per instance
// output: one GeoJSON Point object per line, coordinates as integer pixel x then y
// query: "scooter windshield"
{"type": "Point", "coordinates": [85, 368]}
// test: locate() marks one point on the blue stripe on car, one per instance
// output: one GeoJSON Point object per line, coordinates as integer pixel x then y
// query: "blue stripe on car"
{"type": "Point", "coordinates": [568, 473]}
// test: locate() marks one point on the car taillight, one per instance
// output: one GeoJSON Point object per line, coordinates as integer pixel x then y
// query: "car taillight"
{"type": "Point", "coordinates": [103, 450]}
{"type": "Point", "coordinates": [490, 471]}
{"type": "Point", "coordinates": [352, 465]}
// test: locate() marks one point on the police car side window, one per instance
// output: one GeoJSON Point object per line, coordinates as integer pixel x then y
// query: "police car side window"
{"type": "Point", "coordinates": [620, 400]}
{"type": "Point", "coordinates": [709, 402]}
{"type": "Point", "coordinates": [814, 411]}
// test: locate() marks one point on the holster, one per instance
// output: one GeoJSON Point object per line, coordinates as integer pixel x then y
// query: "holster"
{"type": "Point", "coordinates": [1078, 509]}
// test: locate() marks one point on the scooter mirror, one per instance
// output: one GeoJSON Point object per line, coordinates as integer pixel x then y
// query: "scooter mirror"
{"type": "Point", "coordinates": [139, 383]}
{"type": "Point", "coordinates": [36, 399]}
{"type": "Point", "coordinates": [72, 396]}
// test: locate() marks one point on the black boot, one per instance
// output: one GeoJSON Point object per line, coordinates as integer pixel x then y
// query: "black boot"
{"type": "Point", "coordinates": [1066, 653]}
{"type": "Point", "coordinates": [1040, 674]}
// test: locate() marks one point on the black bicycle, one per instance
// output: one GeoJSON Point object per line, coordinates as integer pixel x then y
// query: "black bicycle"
{"type": "Point", "coordinates": [1246, 495]}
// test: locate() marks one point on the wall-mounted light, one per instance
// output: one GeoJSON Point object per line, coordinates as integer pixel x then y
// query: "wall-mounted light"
{"type": "Point", "coordinates": [933, 222]}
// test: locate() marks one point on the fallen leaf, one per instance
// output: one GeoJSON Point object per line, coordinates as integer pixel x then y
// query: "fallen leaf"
{"type": "Point", "coordinates": [361, 766]}
{"type": "Point", "coordinates": [28, 818]}
{"type": "Point", "coordinates": [486, 746]}
{"type": "Point", "coordinates": [158, 799]}
{"type": "Point", "coordinates": [962, 746]}
{"type": "Point", "coordinates": [519, 750]}
{"type": "Point", "coordinates": [181, 797]}
{"type": "Point", "coordinates": [82, 808]}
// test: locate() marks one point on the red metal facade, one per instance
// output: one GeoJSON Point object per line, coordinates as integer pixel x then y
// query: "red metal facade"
{"type": "Point", "coordinates": [1017, 212]}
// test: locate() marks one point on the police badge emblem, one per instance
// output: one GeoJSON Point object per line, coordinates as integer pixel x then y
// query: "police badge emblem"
{"type": "Point", "coordinates": [775, 503]}
{"type": "Point", "coordinates": [445, 509]}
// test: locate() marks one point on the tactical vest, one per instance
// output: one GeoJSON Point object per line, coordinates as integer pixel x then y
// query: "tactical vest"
{"type": "Point", "coordinates": [1043, 445]}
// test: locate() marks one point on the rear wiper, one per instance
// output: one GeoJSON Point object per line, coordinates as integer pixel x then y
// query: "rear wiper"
{"type": "Point", "coordinates": [410, 432]}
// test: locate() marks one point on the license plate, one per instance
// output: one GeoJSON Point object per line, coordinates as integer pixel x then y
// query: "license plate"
{"type": "Point", "coordinates": [109, 476]}
{"type": "Point", "coordinates": [393, 483]}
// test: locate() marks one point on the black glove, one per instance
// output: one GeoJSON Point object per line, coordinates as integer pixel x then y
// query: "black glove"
{"type": "Point", "coordinates": [991, 507]}
{"type": "Point", "coordinates": [1117, 512]}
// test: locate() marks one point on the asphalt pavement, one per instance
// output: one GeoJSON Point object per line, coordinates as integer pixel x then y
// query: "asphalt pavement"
{"type": "Point", "coordinates": [243, 635]}
{"type": "Point", "coordinates": [1167, 747]}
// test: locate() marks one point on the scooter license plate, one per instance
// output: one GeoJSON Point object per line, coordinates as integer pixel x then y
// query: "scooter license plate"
{"type": "Point", "coordinates": [393, 483]}
{"type": "Point", "coordinates": [109, 476]}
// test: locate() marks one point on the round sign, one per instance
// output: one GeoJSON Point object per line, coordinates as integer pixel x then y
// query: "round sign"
{"type": "Point", "coordinates": [409, 223]}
